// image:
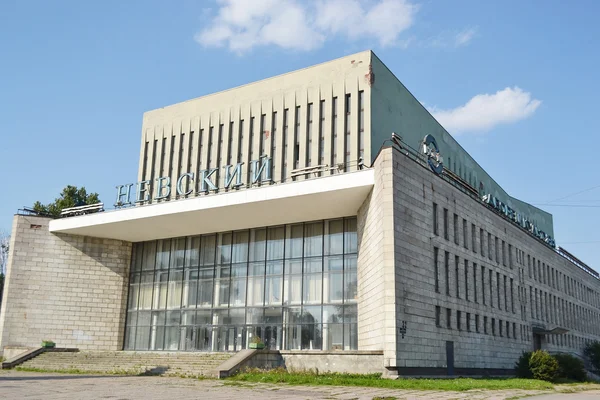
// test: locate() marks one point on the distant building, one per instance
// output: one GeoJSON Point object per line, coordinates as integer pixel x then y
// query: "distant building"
{"type": "Point", "coordinates": [286, 209]}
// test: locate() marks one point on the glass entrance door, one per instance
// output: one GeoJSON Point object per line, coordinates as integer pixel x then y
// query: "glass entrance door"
{"type": "Point", "coordinates": [272, 338]}
{"type": "Point", "coordinates": [230, 338]}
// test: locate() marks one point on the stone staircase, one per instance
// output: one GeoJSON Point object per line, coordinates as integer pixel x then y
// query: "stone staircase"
{"type": "Point", "coordinates": [129, 363]}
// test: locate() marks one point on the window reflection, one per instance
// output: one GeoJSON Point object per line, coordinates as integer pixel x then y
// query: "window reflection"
{"type": "Point", "coordinates": [294, 286]}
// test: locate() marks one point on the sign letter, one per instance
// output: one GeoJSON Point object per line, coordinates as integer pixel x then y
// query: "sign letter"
{"type": "Point", "coordinates": [265, 164]}
{"type": "Point", "coordinates": [237, 173]}
{"type": "Point", "coordinates": [180, 191]}
{"type": "Point", "coordinates": [123, 196]}
{"type": "Point", "coordinates": [142, 187]}
{"type": "Point", "coordinates": [205, 183]}
{"type": "Point", "coordinates": [161, 186]}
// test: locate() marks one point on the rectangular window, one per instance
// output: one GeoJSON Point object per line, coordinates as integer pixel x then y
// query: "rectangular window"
{"type": "Point", "coordinates": [219, 149]}
{"type": "Point", "coordinates": [296, 138]}
{"type": "Point", "coordinates": [473, 239]}
{"type": "Point", "coordinates": [361, 125]}
{"type": "Point", "coordinates": [435, 219]}
{"type": "Point", "coordinates": [531, 301]}
{"type": "Point", "coordinates": [455, 229]}
{"type": "Point", "coordinates": [504, 253]}
{"type": "Point", "coordinates": [510, 256]}
{"type": "Point", "coordinates": [469, 322]}
{"type": "Point", "coordinates": [163, 156]}
{"type": "Point", "coordinates": [481, 247]}
{"type": "Point", "coordinates": [262, 133]}
{"type": "Point", "coordinates": [448, 318]}
{"type": "Point", "coordinates": [494, 326]}
{"type": "Point", "coordinates": [490, 254]}
{"type": "Point", "coordinates": [477, 323]}
{"type": "Point", "coordinates": [485, 325]}
{"type": "Point", "coordinates": [446, 234]}
{"type": "Point", "coordinates": [498, 288]}
{"type": "Point", "coordinates": [505, 294]}
{"type": "Point", "coordinates": [491, 289]}
{"type": "Point", "coordinates": [152, 169]}
{"type": "Point", "coordinates": [456, 276]}
{"type": "Point", "coordinates": [274, 143]}
{"type": "Point", "coordinates": [483, 285]}
{"type": "Point", "coordinates": [286, 120]}
{"type": "Point", "coordinates": [347, 127]}
{"type": "Point", "coordinates": [190, 152]}
{"type": "Point", "coordinates": [497, 249]}
{"type": "Point", "coordinates": [500, 327]}
{"type": "Point", "coordinates": [321, 133]}
{"type": "Point", "coordinates": [465, 235]}
{"type": "Point", "coordinates": [512, 299]}
{"type": "Point", "coordinates": [458, 318]}
{"type": "Point", "coordinates": [229, 143]}
{"type": "Point", "coordinates": [475, 283]}
{"type": "Point", "coordinates": [334, 123]}
{"type": "Point", "coordinates": [447, 271]}
{"type": "Point", "coordinates": [144, 167]}
{"type": "Point", "coordinates": [172, 157]}
{"type": "Point", "coordinates": [543, 275]}
{"type": "Point", "coordinates": [466, 279]}
{"type": "Point", "coordinates": [309, 138]}
{"type": "Point", "coordinates": [435, 269]}
{"type": "Point", "coordinates": [180, 161]}
{"type": "Point", "coordinates": [200, 147]}
{"type": "Point", "coordinates": [210, 144]}
{"type": "Point", "coordinates": [437, 315]}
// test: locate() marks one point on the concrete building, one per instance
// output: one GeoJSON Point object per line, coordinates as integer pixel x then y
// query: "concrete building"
{"type": "Point", "coordinates": [287, 210]}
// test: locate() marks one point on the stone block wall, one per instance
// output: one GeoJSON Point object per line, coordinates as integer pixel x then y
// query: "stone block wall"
{"type": "Point", "coordinates": [69, 289]}
{"type": "Point", "coordinates": [464, 307]}
{"type": "Point", "coordinates": [376, 258]}
{"type": "Point", "coordinates": [353, 362]}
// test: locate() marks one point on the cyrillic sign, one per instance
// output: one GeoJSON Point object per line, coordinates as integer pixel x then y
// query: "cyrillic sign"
{"type": "Point", "coordinates": [518, 218]}
{"type": "Point", "coordinates": [188, 183]}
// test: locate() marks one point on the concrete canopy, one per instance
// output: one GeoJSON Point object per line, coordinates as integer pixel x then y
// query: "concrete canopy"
{"type": "Point", "coordinates": [313, 199]}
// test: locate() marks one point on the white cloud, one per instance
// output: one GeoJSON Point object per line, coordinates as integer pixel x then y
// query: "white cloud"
{"type": "Point", "coordinates": [485, 111]}
{"type": "Point", "coordinates": [452, 39]}
{"type": "Point", "coordinates": [464, 37]}
{"type": "Point", "coordinates": [242, 25]}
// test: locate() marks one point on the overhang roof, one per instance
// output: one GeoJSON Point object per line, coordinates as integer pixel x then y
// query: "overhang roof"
{"type": "Point", "coordinates": [554, 331]}
{"type": "Point", "coordinates": [311, 199]}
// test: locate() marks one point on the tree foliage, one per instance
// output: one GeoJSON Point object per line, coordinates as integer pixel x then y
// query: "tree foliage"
{"type": "Point", "coordinates": [4, 242]}
{"type": "Point", "coordinates": [71, 196]}
{"type": "Point", "coordinates": [570, 368]}
{"type": "Point", "coordinates": [522, 366]}
{"type": "Point", "coordinates": [592, 351]}
{"type": "Point", "coordinates": [543, 366]}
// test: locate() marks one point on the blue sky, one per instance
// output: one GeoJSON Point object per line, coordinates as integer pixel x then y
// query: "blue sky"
{"type": "Point", "coordinates": [515, 82]}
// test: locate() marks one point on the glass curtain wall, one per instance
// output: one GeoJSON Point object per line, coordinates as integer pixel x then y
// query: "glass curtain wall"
{"type": "Point", "coordinates": [293, 286]}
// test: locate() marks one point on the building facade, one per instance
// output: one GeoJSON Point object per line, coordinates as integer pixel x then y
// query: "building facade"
{"type": "Point", "coordinates": [287, 210]}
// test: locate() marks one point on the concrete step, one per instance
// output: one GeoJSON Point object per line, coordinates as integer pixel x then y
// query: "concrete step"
{"type": "Point", "coordinates": [186, 364]}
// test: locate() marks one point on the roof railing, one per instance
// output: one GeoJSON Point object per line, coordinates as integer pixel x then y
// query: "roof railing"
{"type": "Point", "coordinates": [82, 210]}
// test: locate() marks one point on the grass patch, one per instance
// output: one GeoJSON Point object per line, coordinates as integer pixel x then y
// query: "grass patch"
{"type": "Point", "coordinates": [375, 380]}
